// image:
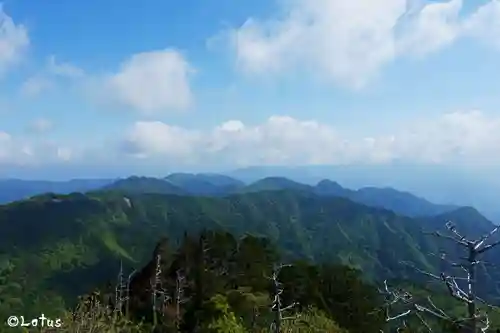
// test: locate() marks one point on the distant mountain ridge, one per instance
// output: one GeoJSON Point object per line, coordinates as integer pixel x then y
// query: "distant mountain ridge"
{"type": "Point", "coordinates": [445, 184]}
{"type": "Point", "coordinates": [19, 189]}
{"type": "Point", "coordinates": [207, 184]}
{"type": "Point", "coordinates": [137, 185]}
{"type": "Point", "coordinates": [402, 203]}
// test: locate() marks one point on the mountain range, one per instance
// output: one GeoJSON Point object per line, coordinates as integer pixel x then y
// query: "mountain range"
{"type": "Point", "coordinates": [403, 203]}
{"type": "Point", "coordinates": [54, 247]}
{"type": "Point", "coordinates": [479, 187]}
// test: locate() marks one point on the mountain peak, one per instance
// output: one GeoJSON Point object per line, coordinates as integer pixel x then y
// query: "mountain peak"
{"type": "Point", "coordinates": [329, 183]}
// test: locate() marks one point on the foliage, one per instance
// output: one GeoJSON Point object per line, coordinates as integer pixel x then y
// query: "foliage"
{"type": "Point", "coordinates": [221, 318]}
{"type": "Point", "coordinates": [312, 320]}
{"type": "Point", "coordinates": [216, 300]}
{"type": "Point", "coordinates": [54, 248]}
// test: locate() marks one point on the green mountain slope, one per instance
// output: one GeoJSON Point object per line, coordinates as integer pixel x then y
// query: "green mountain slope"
{"type": "Point", "coordinates": [205, 183]}
{"type": "Point", "coordinates": [400, 202]}
{"type": "Point", "coordinates": [275, 184]}
{"type": "Point", "coordinates": [139, 185]}
{"type": "Point", "coordinates": [53, 248]}
{"type": "Point", "coordinates": [208, 184]}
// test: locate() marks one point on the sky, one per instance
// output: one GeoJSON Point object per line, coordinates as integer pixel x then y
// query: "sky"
{"type": "Point", "coordinates": [100, 88]}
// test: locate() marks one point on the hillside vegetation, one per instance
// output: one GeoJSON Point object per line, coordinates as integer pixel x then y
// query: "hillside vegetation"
{"type": "Point", "coordinates": [54, 248]}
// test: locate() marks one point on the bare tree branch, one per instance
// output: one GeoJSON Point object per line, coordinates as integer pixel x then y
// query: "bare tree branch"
{"type": "Point", "coordinates": [276, 305]}
{"type": "Point", "coordinates": [481, 241]}
{"type": "Point", "coordinates": [472, 321]}
{"type": "Point", "coordinates": [180, 299]}
{"type": "Point", "coordinates": [438, 234]}
{"type": "Point", "coordinates": [158, 293]}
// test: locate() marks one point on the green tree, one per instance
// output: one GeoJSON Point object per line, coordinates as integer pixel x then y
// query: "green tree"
{"type": "Point", "coordinates": [219, 318]}
{"type": "Point", "coordinates": [312, 321]}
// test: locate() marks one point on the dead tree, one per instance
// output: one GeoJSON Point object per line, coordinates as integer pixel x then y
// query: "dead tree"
{"type": "Point", "coordinates": [474, 321]}
{"type": "Point", "coordinates": [127, 298]}
{"type": "Point", "coordinates": [276, 306]}
{"type": "Point", "coordinates": [120, 291]}
{"type": "Point", "coordinates": [159, 296]}
{"type": "Point", "coordinates": [411, 306]}
{"type": "Point", "coordinates": [180, 299]}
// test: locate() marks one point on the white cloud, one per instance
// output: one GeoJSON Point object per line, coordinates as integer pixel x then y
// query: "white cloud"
{"type": "Point", "coordinates": [22, 151]}
{"type": "Point", "coordinates": [465, 137]}
{"type": "Point", "coordinates": [64, 153]}
{"type": "Point", "coordinates": [46, 79]}
{"type": "Point", "coordinates": [40, 126]}
{"type": "Point", "coordinates": [5, 146]}
{"type": "Point", "coordinates": [14, 41]}
{"type": "Point", "coordinates": [63, 69]}
{"type": "Point", "coordinates": [151, 82]}
{"type": "Point", "coordinates": [156, 138]}
{"type": "Point", "coordinates": [435, 26]}
{"type": "Point", "coordinates": [350, 41]}
{"type": "Point", "coordinates": [454, 137]}
{"type": "Point", "coordinates": [35, 85]}
{"type": "Point", "coordinates": [484, 24]}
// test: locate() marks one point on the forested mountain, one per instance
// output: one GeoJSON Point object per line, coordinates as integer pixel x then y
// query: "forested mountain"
{"type": "Point", "coordinates": [276, 184]}
{"type": "Point", "coordinates": [218, 185]}
{"type": "Point", "coordinates": [137, 185]}
{"type": "Point", "coordinates": [54, 248]}
{"type": "Point", "coordinates": [402, 203]}
{"type": "Point", "coordinates": [206, 184]}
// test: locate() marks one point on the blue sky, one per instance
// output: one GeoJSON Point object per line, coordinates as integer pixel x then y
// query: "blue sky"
{"type": "Point", "coordinates": [114, 87]}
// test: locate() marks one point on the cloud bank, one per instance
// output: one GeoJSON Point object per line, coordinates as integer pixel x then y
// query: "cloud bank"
{"type": "Point", "coordinates": [150, 82]}
{"type": "Point", "coordinates": [14, 41]}
{"type": "Point", "coordinates": [454, 137]}
{"type": "Point", "coordinates": [350, 41]}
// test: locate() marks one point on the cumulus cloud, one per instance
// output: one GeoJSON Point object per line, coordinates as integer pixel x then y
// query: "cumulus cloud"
{"type": "Point", "coordinates": [22, 151]}
{"type": "Point", "coordinates": [35, 85]}
{"type": "Point", "coordinates": [349, 41]}
{"type": "Point", "coordinates": [63, 69]}
{"type": "Point", "coordinates": [14, 41]}
{"type": "Point", "coordinates": [40, 126]}
{"type": "Point", "coordinates": [462, 137]}
{"type": "Point", "coordinates": [46, 79]}
{"type": "Point", "coordinates": [484, 24]}
{"type": "Point", "coordinates": [156, 138]}
{"type": "Point", "coordinates": [434, 27]}
{"type": "Point", "coordinates": [151, 82]}
{"type": "Point", "coordinates": [5, 145]}
{"type": "Point", "coordinates": [453, 137]}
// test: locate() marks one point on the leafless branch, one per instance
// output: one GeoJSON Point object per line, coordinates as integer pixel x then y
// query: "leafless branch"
{"type": "Point", "coordinates": [481, 241]}
{"type": "Point", "coordinates": [488, 247]}
{"type": "Point", "coordinates": [474, 248]}
{"type": "Point", "coordinates": [180, 283]}
{"type": "Point", "coordinates": [159, 295]}
{"type": "Point", "coordinates": [419, 316]}
{"type": "Point", "coordinates": [438, 234]}
{"type": "Point", "coordinates": [276, 305]}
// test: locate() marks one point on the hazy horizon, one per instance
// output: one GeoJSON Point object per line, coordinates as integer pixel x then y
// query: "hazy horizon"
{"type": "Point", "coordinates": [214, 86]}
